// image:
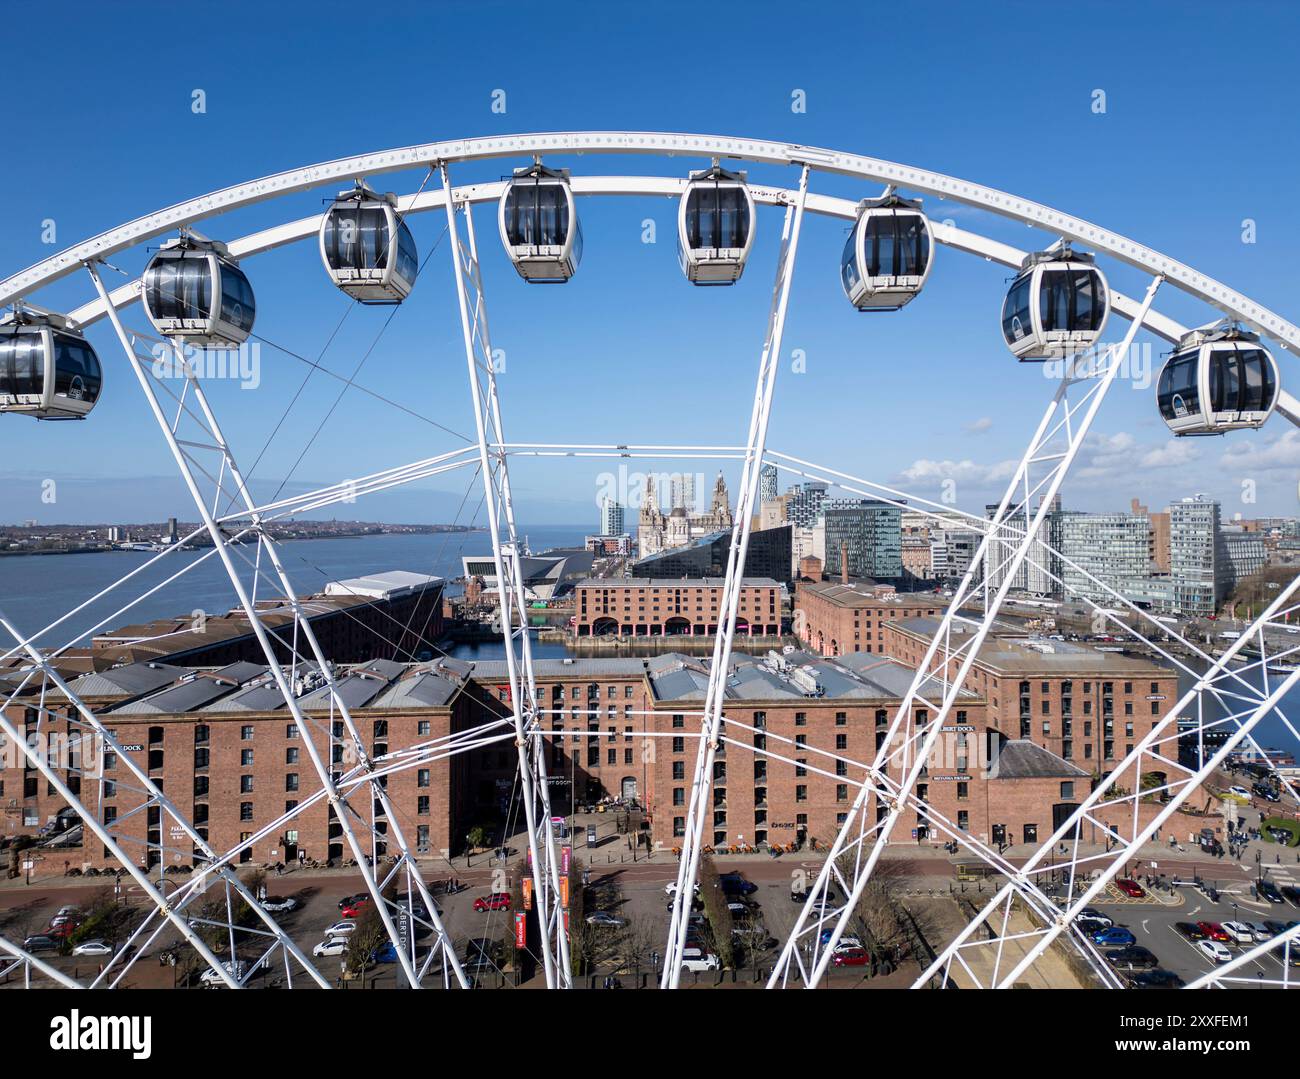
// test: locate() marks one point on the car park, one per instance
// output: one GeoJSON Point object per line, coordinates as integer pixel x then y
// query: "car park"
{"type": "Point", "coordinates": [494, 901]}
{"type": "Point", "coordinates": [1191, 930]}
{"type": "Point", "coordinates": [1130, 888]}
{"type": "Point", "coordinates": [1212, 949]}
{"type": "Point", "coordinates": [92, 947]}
{"type": "Point", "coordinates": [331, 946]}
{"type": "Point", "coordinates": [1238, 932]}
{"type": "Point", "coordinates": [1115, 934]}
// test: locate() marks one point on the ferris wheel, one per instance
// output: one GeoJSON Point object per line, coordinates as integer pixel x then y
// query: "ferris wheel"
{"type": "Point", "coordinates": [198, 293]}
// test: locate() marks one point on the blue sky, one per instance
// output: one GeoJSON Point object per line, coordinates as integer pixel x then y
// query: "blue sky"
{"type": "Point", "coordinates": [627, 351]}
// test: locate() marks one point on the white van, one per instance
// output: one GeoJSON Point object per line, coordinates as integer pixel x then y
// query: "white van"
{"type": "Point", "coordinates": [696, 960]}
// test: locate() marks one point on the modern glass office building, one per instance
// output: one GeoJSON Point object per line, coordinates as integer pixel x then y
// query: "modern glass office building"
{"type": "Point", "coordinates": [869, 533]}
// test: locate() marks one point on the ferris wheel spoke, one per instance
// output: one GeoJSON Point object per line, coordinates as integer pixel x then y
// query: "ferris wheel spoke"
{"type": "Point", "coordinates": [549, 894]}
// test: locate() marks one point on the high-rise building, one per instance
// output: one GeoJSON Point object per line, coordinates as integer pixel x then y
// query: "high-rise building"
{"type": "Point", "coordinates": [1247, 553]}
{"type": "Point", "coordinates": [869, 533]}
{"type": "Point", "coordinates": [767, 480]}
{"type": "Point", "coordinates": [1002, 547]}
{"type": "Point", "coordinates": [1198, 558]}
{"type": "Point", "coordinates": [1104, 549]}
{"type": "Point", "coordinates": [952, 550]}
{"type": "Point", "coordinates": [804, 504]}
{"type": "Point", "coordinates": [611, 517]}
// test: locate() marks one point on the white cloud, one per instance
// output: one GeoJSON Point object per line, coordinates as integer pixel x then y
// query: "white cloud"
{"type": "Point", "coordinates": [978, 427]}
{"type": "Point", "coordinates": [1262, 453]}
{"type": "Point", "coordinates": [925, 473]}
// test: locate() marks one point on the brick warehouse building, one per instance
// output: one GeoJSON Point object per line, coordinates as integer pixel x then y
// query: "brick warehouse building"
{"type": "Point", "coordinates": [1081, 703]}
{"type": "Point", "coordinates": [833, 618]}
{"type": "Point", "coordinates": [654, 607]}
{"type": "Point", "coordinates": [226, 750]}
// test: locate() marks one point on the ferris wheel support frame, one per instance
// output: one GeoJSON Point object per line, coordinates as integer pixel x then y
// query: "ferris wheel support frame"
{"type": "Point", "coordinates": [498, 505]}
{"type": "Point", "coordinates": [1071, 828]}
{"type": "Point", "coordinates": [221, 542]}
{"type": "Point", "coordinates": [719, 669]}
{"type": "Point", "coordinates": [23, 958]}
{"type": "Point", "coordinates": [845, 841]}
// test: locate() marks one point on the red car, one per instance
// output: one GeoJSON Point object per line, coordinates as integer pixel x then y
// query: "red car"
{"type": "Point", "coordinates": [355, 908]}
{"type": "Point", "coordinates": [1214, 931]}
{"type": "Point", "coordinates": [850, 957]}
{"type": "Point", "coordinates": [1130, 888]}
{"type": "Point", "coordinates": [63, 930]}
{"type": "Point", "coordinates": [495, 901]}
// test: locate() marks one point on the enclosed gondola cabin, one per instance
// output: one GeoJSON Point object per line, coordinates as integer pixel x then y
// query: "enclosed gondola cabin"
{"type": "Point", "coordinates": [1220, 378]}
{"type": "Point", "coordinates": [194, 290]}
{"type": "Point", "coordinates": [715, 227]}
{"type": "Point", "coordinates": [47, 369]}
{"type": "Point", "coordinates": [888, 255]}
{"type": "Point", "coordinates": [1057, 305]}
{"type": "Point", "coordinates": [367, 249]}
{"type": "Point", "coordinates": [539, 225]}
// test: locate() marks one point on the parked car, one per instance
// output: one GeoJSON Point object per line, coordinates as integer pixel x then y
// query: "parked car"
{"type": "Point", "coordinates": [735, 884]}
{"type": "Point", "coordinates": [1259, 931]}
{"type": "Point", "coordinates": [1240, 792]}
{"type": "Point", "coordinates": [481, 955]}
{"type": "Point", "coordinates": [696, 903]}
{"type": "Point", "coordinates": [606, 920]}
{"type": "Point", "coordinates": [1267, 891]}
{"type": "Point", "coordinates": [357, 908]}
{"type": "Point", "coordinates": [385, 953]}
{"type": "Point", "coordinates": [1093, 914]}
{"type": "Point", "coordinates": [331, 946]}
{"type": "Point", "coordinates": [850, 957]}
{"type": "Point", "coordinates": [741, 908]}
{"type": "Point", "coordinates": [92, 947]}
{"type": "Point", "coordinates": [351, 900]}
{"type": "Point", "coordinates": [1191, 930]}
{"type": "Point", "coordinates": [1214, 931]}
{"type": "Point", "coordinates": [1134, 957]}
{"type": "Point", "coordinates": [495, 901]}
{"type": "Point", "coordinates": [698, 960]}
{"type": "Point", "coordinates": [1266, 792]}
{"type": "Point", "coordinates": [40, 942]}
{"type": "Point", "coordinates": [341, 929]}
{"type": "Point", "coordinates": [237, 970]}
{"type": "Point", "coordinates": [1155, 979]}
{"type": "Point", "coordinates": [1238, 932]}
{"type": "Point", "coordinates": [671, 888]}
{"type": "Point", "coordinates": [1292, 894]}
{"type": "Point", "coordinates": [1130, 888]}
{"type": "Point", "coordinates": [1213, 950]}
{"type": "Point", "coordinates": [1090, 926]}
{"type": "Point", "coordinates": [279, 904]}
{"type": "Point", "coordinates": [1115, 934]}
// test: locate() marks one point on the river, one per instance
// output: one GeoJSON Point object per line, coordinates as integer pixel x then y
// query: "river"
{"type": "Point", "coordinates": [37, 589]}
